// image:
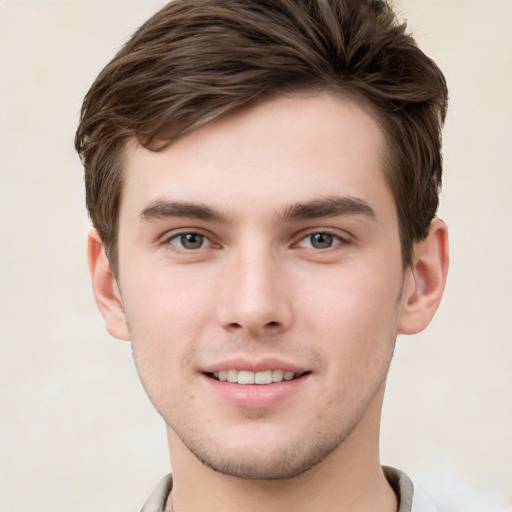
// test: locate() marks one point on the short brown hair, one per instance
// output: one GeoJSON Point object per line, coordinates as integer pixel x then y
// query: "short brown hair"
{"type": "Point", "coordinates": [196, 60]}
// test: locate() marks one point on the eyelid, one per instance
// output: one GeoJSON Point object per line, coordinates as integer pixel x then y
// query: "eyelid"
{"type": "Point", "coordinates": [342, 237]}
{"type": "Point", "coordinates": [205, 242]}
{"type": "Point", "coordinates": [169, 236]}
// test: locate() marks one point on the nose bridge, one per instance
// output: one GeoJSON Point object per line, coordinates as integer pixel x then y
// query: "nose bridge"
{"type": "Point", "coordinates": [253, 295]}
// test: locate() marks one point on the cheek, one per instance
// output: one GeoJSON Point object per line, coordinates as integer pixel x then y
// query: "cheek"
{"type": "Point", "coordinates": [166, 314]}
{"type": "Point", "coordinates": [363, 291]}
{"type": "Point", "coordinates": [165, 319]}
{"type": "Point", "coordinates": [169, 299]}
{"type": "Point", "coordinates": [356, 309]}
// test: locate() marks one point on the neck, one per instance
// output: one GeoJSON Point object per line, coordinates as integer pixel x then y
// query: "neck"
{"type": "Point", "coordinates": [349, 479]}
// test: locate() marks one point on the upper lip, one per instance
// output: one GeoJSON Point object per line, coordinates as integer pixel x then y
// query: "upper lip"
{"type": "Point", "coordinates": [255, 365]}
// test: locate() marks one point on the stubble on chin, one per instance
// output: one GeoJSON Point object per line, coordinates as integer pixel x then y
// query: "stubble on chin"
{"type": "Point", "coordinates": [287, 458]}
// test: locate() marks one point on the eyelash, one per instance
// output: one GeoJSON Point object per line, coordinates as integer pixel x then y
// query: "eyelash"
{"type": "Point", "coordinates": [181, 236]}
{"type": "Point", "coordinates": [335, 240]}
{"type": "Point", "coordinates": [205, 241]}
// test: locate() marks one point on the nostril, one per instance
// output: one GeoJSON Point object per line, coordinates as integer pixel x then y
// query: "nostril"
{"type": "Point", "coordinates": [254, 326]}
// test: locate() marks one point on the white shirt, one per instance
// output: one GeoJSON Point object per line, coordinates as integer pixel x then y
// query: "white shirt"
{"type": "Point", "coordinates": [410, 498]}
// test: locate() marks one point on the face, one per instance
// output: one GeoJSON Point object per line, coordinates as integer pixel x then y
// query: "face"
{"type": "Point", "coordinates": [262, 282]}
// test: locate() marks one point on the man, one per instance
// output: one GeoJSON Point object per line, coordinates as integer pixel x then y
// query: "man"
{"type": "Point", "coordinates": [263, 180]}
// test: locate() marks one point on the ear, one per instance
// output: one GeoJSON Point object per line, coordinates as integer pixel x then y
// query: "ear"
{"type": "Point", "coordinates": [425, 280]}
{"type": "Point", "coordinates": [105, 289]}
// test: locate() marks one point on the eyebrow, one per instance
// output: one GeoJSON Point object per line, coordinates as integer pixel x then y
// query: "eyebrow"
{"type": "Point", "coordinates": [161, 208]}
{"type": "Point", "coordinates": [327, 207]}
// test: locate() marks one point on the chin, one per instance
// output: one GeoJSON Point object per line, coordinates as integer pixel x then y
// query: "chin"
{"type": "Point", "coordinates": [260, 462]}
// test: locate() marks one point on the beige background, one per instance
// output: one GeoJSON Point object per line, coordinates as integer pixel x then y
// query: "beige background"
{"type": "Point", "coordinates": [76, 431]}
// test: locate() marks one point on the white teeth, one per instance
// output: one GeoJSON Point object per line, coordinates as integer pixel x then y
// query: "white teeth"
{"type": "Point", "coordinates": [263, 377]}
{"type": "Point", "coordinates": [245, 377]}
{"type": "Point", "coordinates": [277, 375]}
{"type": "Point", "coordinates": [248, 377]}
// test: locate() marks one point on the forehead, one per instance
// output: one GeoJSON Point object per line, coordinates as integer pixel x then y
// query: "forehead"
{"type": "Point", "coordinates": [280, 151]}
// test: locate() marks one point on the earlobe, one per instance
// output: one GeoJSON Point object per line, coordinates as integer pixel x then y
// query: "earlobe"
{"type": "Point", "coordinates": [426, 280]}
{"type": "Point", "coordinates": [105, 289]}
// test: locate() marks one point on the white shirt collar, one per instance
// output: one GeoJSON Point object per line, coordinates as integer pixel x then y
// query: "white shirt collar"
{"type": "Point", "coordinates": [412, 498]}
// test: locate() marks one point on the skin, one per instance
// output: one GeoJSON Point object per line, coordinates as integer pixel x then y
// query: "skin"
{"type": "Point", "coordinates": [268, 237]}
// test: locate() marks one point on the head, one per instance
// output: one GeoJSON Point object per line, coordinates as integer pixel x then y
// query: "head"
{"type": "Point", "coordinates": [197, 60]}
{"type": "Point", "coordinates": [263, 177]}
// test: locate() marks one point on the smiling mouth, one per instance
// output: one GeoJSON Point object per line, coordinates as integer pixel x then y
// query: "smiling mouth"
{"type": "Point", "coordinates": [248, 377]}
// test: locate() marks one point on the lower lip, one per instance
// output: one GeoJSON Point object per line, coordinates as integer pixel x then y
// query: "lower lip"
{"type": "Point", "coordinates": [256, 396]}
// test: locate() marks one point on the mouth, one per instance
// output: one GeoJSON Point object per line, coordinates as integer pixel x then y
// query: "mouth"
{"type": "Point", "coordinates": [261, 378]}
{"type": "Point", "coordinates": [255, 384]}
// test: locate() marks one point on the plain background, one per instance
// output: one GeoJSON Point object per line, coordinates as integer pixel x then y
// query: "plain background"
{"type": "Point", "coordinates": [77, 432]}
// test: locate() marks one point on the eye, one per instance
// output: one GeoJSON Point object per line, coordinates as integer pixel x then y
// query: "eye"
{"type": "Point", "coordinates": [189, 241]}
{"type": "Point", "coordinates": [319, 240]}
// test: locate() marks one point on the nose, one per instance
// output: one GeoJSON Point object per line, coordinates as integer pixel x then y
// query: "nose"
{"type": "Point", "coordinates": [253, 296]}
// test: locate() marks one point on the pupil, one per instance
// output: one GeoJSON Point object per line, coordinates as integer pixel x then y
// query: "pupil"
{"type": "Point", "coordinates": [192, 241]}
{"type": "Point", "coordinates": [321, 240]}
